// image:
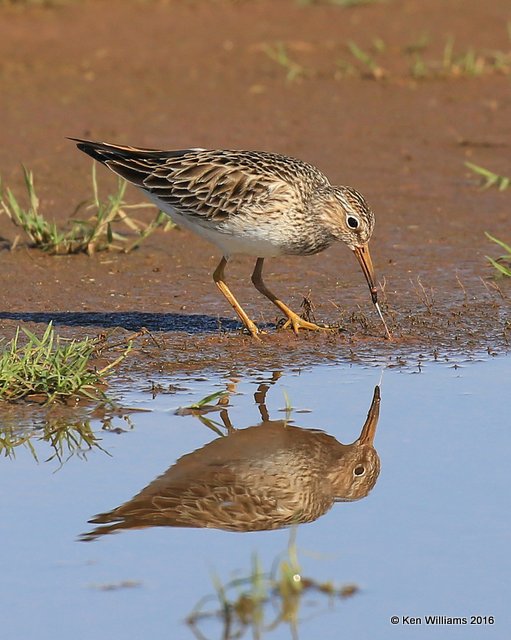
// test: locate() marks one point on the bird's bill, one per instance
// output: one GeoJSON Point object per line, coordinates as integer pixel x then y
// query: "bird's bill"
{"type": "Point", "coordinates": [364, 258]}
{"type": "Point", "coordinates": [369, 428]}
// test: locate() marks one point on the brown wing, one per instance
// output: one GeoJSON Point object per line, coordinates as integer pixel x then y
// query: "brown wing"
{"type": "Point", "coordinates": [210, 184]}
{"type": "Point", "coordinates": [203, 185]}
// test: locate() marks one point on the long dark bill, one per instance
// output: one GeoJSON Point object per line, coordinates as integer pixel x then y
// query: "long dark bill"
{"type": "Point", "coordinates": [364, 258]}
{"type": "Point", "coordinates": [369, 428]}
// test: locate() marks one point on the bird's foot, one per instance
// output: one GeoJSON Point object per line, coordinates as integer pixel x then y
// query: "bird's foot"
{"type": "Point", "coordinates": [296, 322]}
{"type": "Point", "coordinates": [253, 330]}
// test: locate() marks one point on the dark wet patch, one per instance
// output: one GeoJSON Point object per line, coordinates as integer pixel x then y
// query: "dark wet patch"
{"type": "Point", "coordinates": [134, 321]}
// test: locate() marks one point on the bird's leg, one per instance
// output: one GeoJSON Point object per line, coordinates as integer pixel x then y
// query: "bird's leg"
{"type": "Point", "coordinates": [218, 277]}
{"type": "Point", "coordinates": [293, 318]}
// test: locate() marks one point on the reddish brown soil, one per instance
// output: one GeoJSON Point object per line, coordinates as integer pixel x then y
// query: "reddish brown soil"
{"type": "Point", "coordinates": [177, 74]}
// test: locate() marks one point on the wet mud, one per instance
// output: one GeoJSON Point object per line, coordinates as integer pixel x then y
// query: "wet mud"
{"type": "Point", "coordinates": [199, 76]}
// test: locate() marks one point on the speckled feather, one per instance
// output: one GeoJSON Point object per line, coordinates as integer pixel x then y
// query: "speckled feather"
{"type": "Point", "coordinates": [265, 477]}
{"type": "Point", "coordinates": [235, 198]}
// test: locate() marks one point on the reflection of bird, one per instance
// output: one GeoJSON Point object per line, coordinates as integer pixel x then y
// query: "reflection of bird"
{"type": "Point", "coordinates": [248, 202]}
{"type": "Point", "coordinates": [263, 477]}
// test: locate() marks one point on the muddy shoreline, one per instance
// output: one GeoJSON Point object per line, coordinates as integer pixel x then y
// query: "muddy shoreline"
{"type": "Point", "coordinates": [400, 141]}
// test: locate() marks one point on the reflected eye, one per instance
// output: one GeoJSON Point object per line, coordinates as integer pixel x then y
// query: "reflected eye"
{"type": "Point", "coordinates": [353, 223]}
{"type": "Point", "coordinates": [359, 471]}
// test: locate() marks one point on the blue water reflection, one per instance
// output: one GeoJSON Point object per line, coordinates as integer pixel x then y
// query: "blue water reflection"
{"type": "Point", "coordinates": [432, 538]}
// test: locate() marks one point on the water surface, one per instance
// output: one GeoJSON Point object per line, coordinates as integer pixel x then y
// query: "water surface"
{"type": "Point", "coordinates": [431, 538]}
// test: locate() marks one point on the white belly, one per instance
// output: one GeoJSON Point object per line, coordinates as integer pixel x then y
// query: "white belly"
{"type": "Point", "coordinates": [234, 237]}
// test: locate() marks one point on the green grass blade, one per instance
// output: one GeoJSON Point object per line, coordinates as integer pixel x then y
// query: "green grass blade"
{"type": "Point", "coordinates": [505, 271]}
{"type": "Point", "coordinates": [502, 244]}
{"type": "Point", "coordinates": [96, 233]}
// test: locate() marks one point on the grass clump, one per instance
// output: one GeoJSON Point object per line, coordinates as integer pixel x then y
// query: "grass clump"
{"type": "Point", "coordinates": [93, 234]}
{"type": "Point", "coordinates": [490, 179]}
{"type": "Point", "coordinates": [67, 431]}
{"type": "Point", "coordinates": [279, 53]}
{"type": "Point", "coordinates": [243, 604]}
{"type": "Point", "coordinates": [204, 404]}
{"type": "Point", "coordinates": [50, 368]}
{"type": "Point", "coordinates": [420, 60]}
{"type": "Point", "coordinates": [454, 64]}
{"type": "Point", "coordinates": [66, 438]}
{"type": "Point", "coordinates": [366, 59]}
{"type": "Point", "coordinates": [503, 263]}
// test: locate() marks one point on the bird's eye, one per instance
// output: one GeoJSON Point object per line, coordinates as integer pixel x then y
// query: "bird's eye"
{"type": "Point", "coordinates": [353, 222]}
{"type": "Point", "coordinates": [359, 471]}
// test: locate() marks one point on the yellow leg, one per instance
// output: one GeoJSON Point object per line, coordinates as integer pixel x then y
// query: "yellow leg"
{"type": "Point", "coordinates": [218, 277]}
{"type": "Point", "coordinates": [293, 318]}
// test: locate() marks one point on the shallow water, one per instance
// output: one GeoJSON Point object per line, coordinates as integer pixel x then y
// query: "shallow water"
{"type": "Point", "coordinates": [431, 538]}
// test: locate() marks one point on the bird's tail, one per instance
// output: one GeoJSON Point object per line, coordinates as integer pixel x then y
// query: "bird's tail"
{"type": "Point", "coordinates": [131, 163]}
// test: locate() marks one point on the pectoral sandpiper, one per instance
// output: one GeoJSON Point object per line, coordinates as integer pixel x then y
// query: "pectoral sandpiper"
{"type": "Point", "coordinates": [264, 477]}
{"type": "Point", "coordinates": [249, 202]}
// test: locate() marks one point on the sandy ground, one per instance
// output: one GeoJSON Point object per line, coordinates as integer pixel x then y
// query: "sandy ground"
{"type": "Point", "coordinates": [188, 74]}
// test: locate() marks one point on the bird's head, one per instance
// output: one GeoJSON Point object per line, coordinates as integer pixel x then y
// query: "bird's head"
{"type": "Point", "coordinates": [359, 465]}
{"type": "Point", "coordinates": [350, 220]}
